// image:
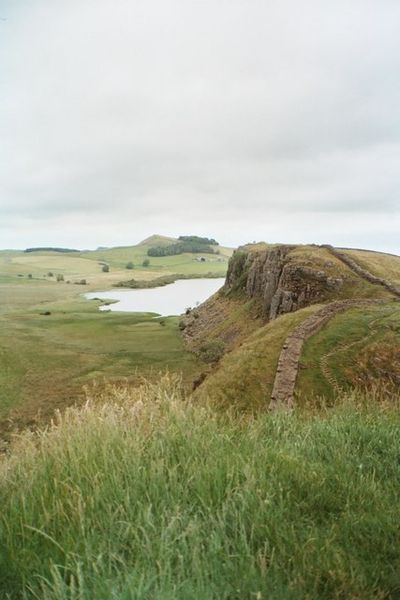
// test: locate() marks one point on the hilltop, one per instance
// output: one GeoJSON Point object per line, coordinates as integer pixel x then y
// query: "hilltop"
{"type": "Point", "coordinates": [340, 308]}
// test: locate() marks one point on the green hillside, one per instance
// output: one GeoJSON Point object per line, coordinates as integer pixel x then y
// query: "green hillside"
{"type": "Point", "coordinates": [359, 347]}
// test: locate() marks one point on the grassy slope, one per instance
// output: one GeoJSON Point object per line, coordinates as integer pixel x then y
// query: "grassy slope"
{"type": "Point", "coordinates": [250, 367]}
{"type": "Point", "coordinates": [45, 360]}
{"type": "Point", "coordinates": [143, 497]}
{"type": "Point", "coordinates": [244, 378]}
{"type": "Point", "coordinates": [345, 340]}
{"type": "Point", "coordinates": [181, 263]}
{"type": "Point", "coordinates": [353, 287]}
{"type": "Point", "coordinates": [382, 265]}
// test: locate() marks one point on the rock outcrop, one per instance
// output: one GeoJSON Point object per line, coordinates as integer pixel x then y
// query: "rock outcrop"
{"type": "Point", "coordinates": [278, 283]}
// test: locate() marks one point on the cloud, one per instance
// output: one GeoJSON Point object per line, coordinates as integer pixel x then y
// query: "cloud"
{"type": "Point", "coordinates": [122, 119]}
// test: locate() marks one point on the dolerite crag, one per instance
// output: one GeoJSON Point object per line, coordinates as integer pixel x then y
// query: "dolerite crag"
{"type": "Point", "coordinates": [278, 283]}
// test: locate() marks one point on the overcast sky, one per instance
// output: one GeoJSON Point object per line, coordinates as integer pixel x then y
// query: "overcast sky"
{"type": "Point", "coordinates": [274, 120]}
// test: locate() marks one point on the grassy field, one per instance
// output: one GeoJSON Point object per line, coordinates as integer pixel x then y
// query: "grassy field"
{"type": "Point", "coordinates": [140, 495]}
{"type": "Point", "coordinates": [88, 264]}
{"type": "Point", "coordinates": [45, 360]}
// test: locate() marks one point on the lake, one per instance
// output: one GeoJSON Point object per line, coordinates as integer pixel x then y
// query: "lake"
{"type": "Point", "coordinates": [172, 299]}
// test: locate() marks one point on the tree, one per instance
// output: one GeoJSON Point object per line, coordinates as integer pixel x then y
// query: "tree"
{"type": "Point", "coordinates": [105, 268]}
{"type": "Point", "coordinates": [146, 262]}
{"type": "Point", "coordinates": [129, 265]}
{"type": "Point", "coordinates": [50, 274]}
{"type": "Point", "coordinates": [60, 277]}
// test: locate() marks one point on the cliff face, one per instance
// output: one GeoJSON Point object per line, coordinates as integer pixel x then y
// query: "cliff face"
{"type": "Point", "coordinates": [279, 283]}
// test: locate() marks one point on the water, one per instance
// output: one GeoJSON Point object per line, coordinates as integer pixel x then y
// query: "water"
{"type": "Point", "coordinates": [172, 299]}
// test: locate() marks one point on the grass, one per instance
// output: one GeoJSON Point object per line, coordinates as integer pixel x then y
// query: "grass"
{"type": "Point", "coordinates": [244, 379]}
{"type": "Point", "coordinates": [45, 360]}
{"type": "Point", "coordinates": [88, 264]}
{"type": "Point", "coordinates": [382, 265]}
{"type": "Point", "coordinates": [353, 286]}
{"type": "Point", "coordinates": [345, 340]}
{"type": "Point", "coordinates": [139, 496]}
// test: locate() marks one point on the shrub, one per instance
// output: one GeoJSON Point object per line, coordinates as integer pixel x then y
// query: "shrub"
{"type": "Point", "coordinates": [212, 351]}
{"type": "Point", "coordinates": [146, 262]}
{"type": "Point", "coordinates": [105, 268]}
{"type": "Point", "coordinates": [60, 277]}
{"type": "Point", "coordinates": [129, 265]}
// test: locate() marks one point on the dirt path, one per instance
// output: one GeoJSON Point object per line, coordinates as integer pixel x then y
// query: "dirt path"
{"type": "Point", "coordinates": [288, 364]}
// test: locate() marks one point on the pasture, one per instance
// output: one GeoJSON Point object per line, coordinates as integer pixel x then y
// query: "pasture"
{"type": "Point", "coordinates": [54, 342]}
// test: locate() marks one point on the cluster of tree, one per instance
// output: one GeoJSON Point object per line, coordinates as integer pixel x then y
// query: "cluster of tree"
{"type": "Point", "coordinates": [180, 248]}
{"type": "Point", "coordinates": [195, 239]}
{"type": "Point", "coordinates": [51, 250]}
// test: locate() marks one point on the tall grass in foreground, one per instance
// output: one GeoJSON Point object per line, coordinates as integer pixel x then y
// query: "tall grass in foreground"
{"type": "Point", "coordinates": [146, 497]}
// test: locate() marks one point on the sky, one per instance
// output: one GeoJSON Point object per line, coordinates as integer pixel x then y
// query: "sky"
{"type": "Point", "coordinates": [242, 120]}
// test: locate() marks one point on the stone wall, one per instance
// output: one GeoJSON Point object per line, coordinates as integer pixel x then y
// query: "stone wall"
{"type": "Point", "coordinates": [354, 266]}
{"type": "Point", "coordinates": [288, 364]}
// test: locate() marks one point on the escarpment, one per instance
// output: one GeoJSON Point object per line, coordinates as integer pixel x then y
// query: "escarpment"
{"type": "Point", "coordinates": [266, 281]}
{"type": "Point", "coordinates": [275, 299]}
{"type": "Point", "coordinates": [279, 281]}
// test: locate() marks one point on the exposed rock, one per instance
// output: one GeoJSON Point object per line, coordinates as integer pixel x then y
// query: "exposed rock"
{"type": "Point", "coordinates": [280, 285]}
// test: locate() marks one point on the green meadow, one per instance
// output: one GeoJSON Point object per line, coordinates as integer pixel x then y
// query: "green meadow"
{"type": "Point", "coordinates": [54, 342]}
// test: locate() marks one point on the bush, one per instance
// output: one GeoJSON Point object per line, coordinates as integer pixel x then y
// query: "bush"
{"type": "Point", "coordinates": [129, 265]}
{"type": "Point", "coordinates": [60, 277]}
{"type": "Point", "coordinates": [212, 351]}
{"type": "Point", "coordinates": [105, 268]}
{"type": "Point", "coordinates": [50, 274]}
{"type": "Point", "coordinates": [146, 263]}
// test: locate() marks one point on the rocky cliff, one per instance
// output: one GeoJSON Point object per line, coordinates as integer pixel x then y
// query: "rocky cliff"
{"type": "Point", "coordinates": [266, 281]}
{"type": "Point", "coordinates": [279, 280]}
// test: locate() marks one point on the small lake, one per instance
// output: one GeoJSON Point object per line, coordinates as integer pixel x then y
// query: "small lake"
{"type": "Point", "coordinates": [172, 299]}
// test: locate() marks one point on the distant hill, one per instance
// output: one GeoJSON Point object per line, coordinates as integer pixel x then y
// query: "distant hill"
{"type": "Point", "coordinates": [157, 240]}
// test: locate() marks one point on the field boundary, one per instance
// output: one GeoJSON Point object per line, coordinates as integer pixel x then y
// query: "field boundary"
{"type": "Point", "coordinates": [282, 396]}
{"type": "Point", "coordinates": [354, 266]}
